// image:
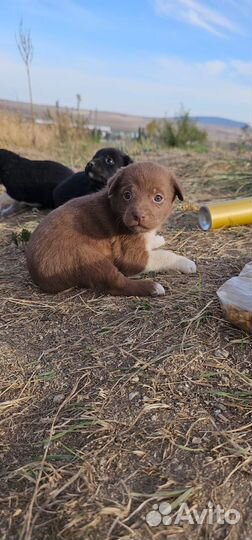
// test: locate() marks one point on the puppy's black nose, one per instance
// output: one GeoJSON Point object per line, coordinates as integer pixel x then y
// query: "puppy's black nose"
{"type": "Point", "coordinates": [91, 164]}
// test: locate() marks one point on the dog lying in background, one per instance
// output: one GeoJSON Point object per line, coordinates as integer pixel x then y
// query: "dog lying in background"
{"type": "Point", "coordinates": [95, 176]}
{"type": "Point", "coordinates": [29, 181]}
{"type": "Point", "coordinates": [99, 240]}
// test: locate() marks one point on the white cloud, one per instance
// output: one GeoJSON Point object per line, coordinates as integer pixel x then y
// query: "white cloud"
{"type": "Point", "coordinates": [215, 67]}
{"type": "Point", "coordinates": [152, 87]}
{"type": "Point", "coordinates": [242, 68]}
{"type": "Point", "coordinates": [193, 18]}
{"type": "Point", "coordinates": [196, 14]}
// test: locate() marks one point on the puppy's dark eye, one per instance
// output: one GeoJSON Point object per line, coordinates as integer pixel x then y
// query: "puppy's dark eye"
{"type": "Point", "coordinates": [158, 198]}
{"type": "Point", "coordinates": [109, 161]}
{"type": "Point", "coordinates": [127, 195]}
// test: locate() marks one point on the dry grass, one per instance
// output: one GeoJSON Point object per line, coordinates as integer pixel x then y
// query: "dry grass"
{"type": "Point", "coordinates": [111, 404]}
{"type": "Point", "coordinates": [57, 141]}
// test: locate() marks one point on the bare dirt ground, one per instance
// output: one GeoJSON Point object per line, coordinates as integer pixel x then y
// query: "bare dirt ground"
{"type": "Point", "coordinates": [111, 405]}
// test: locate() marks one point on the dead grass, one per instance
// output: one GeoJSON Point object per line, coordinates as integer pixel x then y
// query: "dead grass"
{"type": "Point", "coordinates": [58, 141]}
{"type": "Point", "coordinates": [109, 405]}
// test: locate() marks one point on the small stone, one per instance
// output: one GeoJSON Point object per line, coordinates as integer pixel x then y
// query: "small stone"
{"type": "Point", "coordinates": [196, 440]}
{"type": "Point", "coordinates": [58, 398]}
{"type": "Point", "coordinates": [132, 395]}
{"type": "Point", "coordinates": [153, 518]}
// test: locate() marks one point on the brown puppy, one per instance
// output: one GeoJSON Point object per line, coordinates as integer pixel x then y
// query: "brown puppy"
{"type": "Point", "coordinates": [97, 240]}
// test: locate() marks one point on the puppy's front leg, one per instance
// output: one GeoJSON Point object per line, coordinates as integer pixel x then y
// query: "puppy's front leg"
{"type": "Point", "coordinates": [162, 259]}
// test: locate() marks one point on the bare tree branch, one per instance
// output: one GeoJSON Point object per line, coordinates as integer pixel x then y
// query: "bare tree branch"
{"type": "Point", "coordinates": [25, 47]}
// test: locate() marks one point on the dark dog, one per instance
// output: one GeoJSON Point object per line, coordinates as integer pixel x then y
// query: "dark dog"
{"type": "Point", "coordinates": [98, 240]}
{"type": "Point", "coordinates": [97, 172]}
{"type": "Point", "coordinates": [30, 181]}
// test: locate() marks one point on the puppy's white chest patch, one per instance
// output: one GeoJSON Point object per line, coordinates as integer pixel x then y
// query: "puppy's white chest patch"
{"type": "Point", "coordinates": [149, 238]}
{"type": "Point", "coordinates": [153, 241]}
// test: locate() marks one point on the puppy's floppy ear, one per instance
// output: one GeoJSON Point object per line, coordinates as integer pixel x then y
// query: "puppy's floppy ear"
{"type": "Point", "coordinates": [177, 188]}
{"type": "Point", "coordinates": [114, 181]}
{"type": "Point", "coordinates": [126, 159]}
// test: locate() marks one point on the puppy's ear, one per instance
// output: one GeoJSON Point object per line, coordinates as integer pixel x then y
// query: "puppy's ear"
{"type": "Point", "coordinates": [114, 181]}
{"type": "Point", "coordinates": [177, 188]}
{"type": "Point", "coordinates": [126, 159]}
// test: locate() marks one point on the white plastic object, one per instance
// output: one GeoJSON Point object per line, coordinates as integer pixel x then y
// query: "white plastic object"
{"type": "Point", "coordinates": [235, 296]}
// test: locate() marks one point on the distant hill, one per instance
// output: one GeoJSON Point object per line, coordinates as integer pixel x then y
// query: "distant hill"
{"type": "Point", "coordinates": [218, 121]}
{"type": "Point", "coordinates": [218, 129]}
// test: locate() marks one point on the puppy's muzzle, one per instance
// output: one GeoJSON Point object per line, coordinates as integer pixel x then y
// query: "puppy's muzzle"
{"type": "Point", "coordinates": [138, 217]}
{"type": "Point", "coordinates": [93, 171]}
{"type": "Point", "coordinates": [136, 220]}
{"type": "Point", "coordinates": [90, 165]}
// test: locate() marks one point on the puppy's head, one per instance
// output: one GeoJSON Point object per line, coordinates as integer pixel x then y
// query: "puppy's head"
{"type": "Point", "coordinates": [142, 195]}
{"type": "Point", "coordinates": [105, 163]}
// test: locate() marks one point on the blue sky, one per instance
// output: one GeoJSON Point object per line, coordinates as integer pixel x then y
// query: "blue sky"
{"type": "Point", "coordinates": [142, 57]}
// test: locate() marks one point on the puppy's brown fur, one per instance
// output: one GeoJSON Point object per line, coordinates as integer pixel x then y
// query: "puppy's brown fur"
{"type": "Point", "coordinates": [98, 240]}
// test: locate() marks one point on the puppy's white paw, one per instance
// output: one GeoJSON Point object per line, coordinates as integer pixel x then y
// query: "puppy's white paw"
{"type": "Point", "coordinates": [4, 212]}
{"type": "Point", "coordinates": [186, 266]}
{"type": "Point", "coordinates": [7, 211]}
{"type": "Point", "coordinates": [158, 289]}
{"type": "Point", "coordinates": [157, 241]}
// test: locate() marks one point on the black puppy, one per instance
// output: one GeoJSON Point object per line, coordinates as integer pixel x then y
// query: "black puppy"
{"type": "Point", "coordinates": [30, 181]}
{"type": "Point", "coordinates": [97, 172]}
